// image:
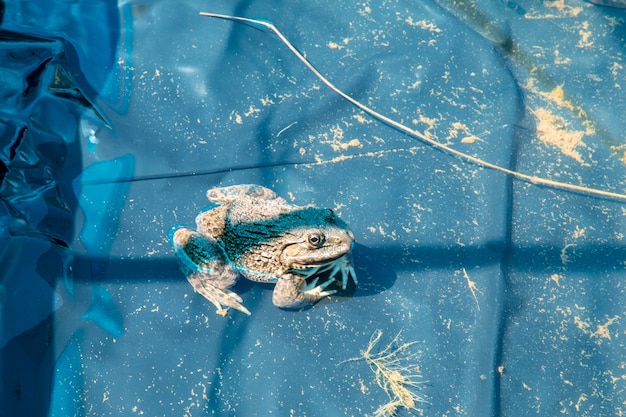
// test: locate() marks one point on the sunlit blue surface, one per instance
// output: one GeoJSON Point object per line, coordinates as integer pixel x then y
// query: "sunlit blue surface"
{"type": "Point", "coordinates": [116, 119]}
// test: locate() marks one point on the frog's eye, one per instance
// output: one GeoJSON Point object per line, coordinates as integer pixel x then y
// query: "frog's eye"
{"type": "Point", "coordinates": [316, 239]}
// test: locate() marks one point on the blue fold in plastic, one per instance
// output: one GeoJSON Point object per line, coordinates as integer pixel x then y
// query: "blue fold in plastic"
{"type": "Point", "coordinates": [46, 90]}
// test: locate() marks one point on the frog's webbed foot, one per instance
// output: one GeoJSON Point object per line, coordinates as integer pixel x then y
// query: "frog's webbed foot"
{"type": "Point", "coordinates": [207, 268]}
{"type": "Point", "coordinates": [292, 291]}
{"type": "Point", "coordinates": [342, 265]}
{"type": "Point", "coordinates": [219, 297]}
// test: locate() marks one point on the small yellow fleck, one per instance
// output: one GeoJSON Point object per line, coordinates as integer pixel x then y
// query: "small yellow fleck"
{"type": "Point", "coordinates": [333, 45]}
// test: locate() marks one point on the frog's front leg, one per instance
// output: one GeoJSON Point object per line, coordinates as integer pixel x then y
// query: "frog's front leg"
{"type": "Point", "coordinates": [292, 291]}
{"type": "Point", "coordinates": [207, 268]}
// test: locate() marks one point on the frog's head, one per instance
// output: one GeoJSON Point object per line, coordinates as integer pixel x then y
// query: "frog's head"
{"type": "Point", "coordinates": [317, 241]}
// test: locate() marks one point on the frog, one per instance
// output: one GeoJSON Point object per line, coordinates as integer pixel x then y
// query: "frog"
{"type": "Point", "coordinates": [249, 231]}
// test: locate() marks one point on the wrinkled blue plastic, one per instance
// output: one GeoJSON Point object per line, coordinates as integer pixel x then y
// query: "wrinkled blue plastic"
{"type": "Point", "coordinates": [116, 118]}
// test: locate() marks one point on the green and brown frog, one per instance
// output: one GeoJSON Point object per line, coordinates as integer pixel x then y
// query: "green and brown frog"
{"type": "Point", "coordinates": [249, 231]}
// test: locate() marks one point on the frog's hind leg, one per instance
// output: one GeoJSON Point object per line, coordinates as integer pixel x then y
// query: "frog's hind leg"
{"type": "Point", "coordinates": [207, 268]}
{"type": "Point", "coordinates": [216, 295]}
{"type": "Point", "coordinates": [292, 291]}
{"type": "Point", "coordinates": [223, 194]}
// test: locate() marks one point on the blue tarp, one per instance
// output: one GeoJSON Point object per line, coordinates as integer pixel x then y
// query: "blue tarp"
{"type": "Point", "coordinates": [505, 295]}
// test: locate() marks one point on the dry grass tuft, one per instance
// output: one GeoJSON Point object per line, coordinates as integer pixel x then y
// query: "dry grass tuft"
{"type": "Point", "coordinates": [397, 373]}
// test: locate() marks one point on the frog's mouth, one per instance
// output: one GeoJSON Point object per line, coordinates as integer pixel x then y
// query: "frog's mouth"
{"type": "Point", "coordinates": [341, 265]}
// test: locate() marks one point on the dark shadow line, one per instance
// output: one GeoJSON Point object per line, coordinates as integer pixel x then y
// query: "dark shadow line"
{"type": "Point", "coordinates": [544, 260]}
{"type": "Point", "coordinates": [154, 177]}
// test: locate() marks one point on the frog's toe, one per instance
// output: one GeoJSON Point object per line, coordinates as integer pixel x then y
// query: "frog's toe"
{"type": "Point", "coordinates": [219, 297]}
{"type": "Point", "coordinates": [347, 271]}
{"type": "Point", "coordinates": [313, 288]}
{"type": "Point", "coordinates": [341, 266]}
